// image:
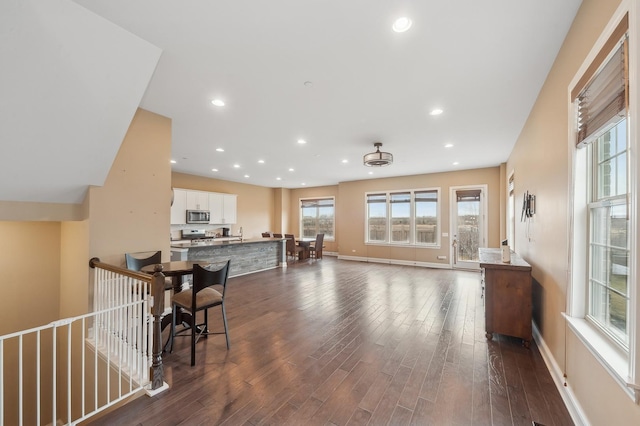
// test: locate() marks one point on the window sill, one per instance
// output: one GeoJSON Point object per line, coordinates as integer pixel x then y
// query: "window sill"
{"type": "Point", "coordinates": [404, 245]}
{"type": "Point", "coordinates": [609, 356]}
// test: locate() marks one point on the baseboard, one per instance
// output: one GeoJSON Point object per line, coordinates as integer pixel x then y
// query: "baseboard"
{"type": "Point", "coordinates": [573, 406]}
{"type": "Point", "coordinates": [395, 262]}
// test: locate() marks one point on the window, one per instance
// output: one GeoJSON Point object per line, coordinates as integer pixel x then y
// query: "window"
{"type": "Point", "coordinates": [511, 220]}
{"type": "Point", "coordinates": [377, 217]}
{"type": "Point", "coordinates": [403, 217]}
{"type": "Point", "coordinates": [608, 233]}
{"type": "Point", "coordinates": [426, 214]}
{"type": "Point", "coordinates": [317, 216]}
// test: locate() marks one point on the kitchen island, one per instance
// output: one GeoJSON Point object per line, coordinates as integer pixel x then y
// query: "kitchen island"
{"type": "Point", "coordinates": [247, 256]}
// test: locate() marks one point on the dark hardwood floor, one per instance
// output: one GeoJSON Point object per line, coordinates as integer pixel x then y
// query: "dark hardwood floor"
{"type": "Point", "coordinates": [332, 342]}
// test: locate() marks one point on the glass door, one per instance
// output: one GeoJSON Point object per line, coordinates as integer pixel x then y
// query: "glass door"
{"type": "Point", "coordinates": [468, 225]}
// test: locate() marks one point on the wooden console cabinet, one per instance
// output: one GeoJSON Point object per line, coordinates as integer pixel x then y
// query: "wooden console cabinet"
{"type": "Point", "coordinates": [507, 295]}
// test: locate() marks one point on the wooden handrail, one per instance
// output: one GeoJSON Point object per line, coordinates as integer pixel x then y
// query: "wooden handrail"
{"type": "Point", "coordinates": [156, 282]}
{"type": "Point", "coordinates": [96, 263]}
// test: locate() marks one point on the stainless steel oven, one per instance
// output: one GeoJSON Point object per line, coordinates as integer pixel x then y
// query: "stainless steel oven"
{"type": "Point", "coordinates": [198, 216]}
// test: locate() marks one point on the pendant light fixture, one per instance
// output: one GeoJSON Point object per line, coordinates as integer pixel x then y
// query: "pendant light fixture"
{"type": "Point", "coordinates": [378, 158]}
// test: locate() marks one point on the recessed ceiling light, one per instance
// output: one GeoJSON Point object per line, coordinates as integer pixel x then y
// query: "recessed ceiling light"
{"type": "Point", "coordinates": [246, 176]}
{"type": "Point", "coordinates": [220, 149]}
{"type": "Point", "coordinates": [303, 184]}
{"type": "Point", "coordinates": [261, 161]}
{"type": "Point", "coordinates": [402, 24]}
{"type": "Point", "coordinates": [455, 163]}
{"type": "Point", "coordinates": [278, 178]}
{"type": "Point", "coordinates": [291, 169]}
{"type": "Point", "coordinates": [370, 173]}
{"type": "Point", "coordinates": [436, 111]}
{"type": "Point", "coordinates": [448, 145]}
{"type": "Point", "coordinates": [301, 141]}
{"type": "Point", "coordinates": [345, 161]}
{"type": "Point", "coordinates": [214, 170]}
{"type": "Point", "coordinates": [237, 166]}
{"type": "Point", "coordinates": [173, 161]}
{"type": "Point", "coordinates": [218, 102]}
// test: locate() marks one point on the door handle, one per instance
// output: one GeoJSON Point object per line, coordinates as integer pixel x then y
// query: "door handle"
{"type": "Point", "coordinates": [454, 244]}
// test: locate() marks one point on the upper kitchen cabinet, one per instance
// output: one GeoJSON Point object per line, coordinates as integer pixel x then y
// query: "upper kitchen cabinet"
{"type": "Point", "coordinates": [179, 207]}
{"type": "Point", "coordinates": [223, 208]}
{"type": "Point", "coordinates": [197, 200]}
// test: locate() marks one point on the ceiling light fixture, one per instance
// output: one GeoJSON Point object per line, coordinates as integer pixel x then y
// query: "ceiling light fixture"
{"type": "Point", "coordinates": [173, 161]}
{"type": "Point", "coordinates": [261, 161]}
{"type": "Point", "coordinates": [378, 158]}
{"type": "Point", "coordinates": [218, 102]}
{"type": "Point", "coordinates": [237, 166]}
{"type": "Point", "coordinates": [436, 111]}
{"type": "Point", "coordinates": [220, 149]}
{"type": "Point", "coordinates": [449, 145]}
{"type": "Point", "coordinates": [214, 170]}
{"type": "Point", "coordinates": [301, 141]}
{"type": "Point", "coordinates": [402, 24]}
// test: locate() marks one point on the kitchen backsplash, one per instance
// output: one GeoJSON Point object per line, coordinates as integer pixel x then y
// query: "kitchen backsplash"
{"type": "Point", "coordinates": [210, 230]}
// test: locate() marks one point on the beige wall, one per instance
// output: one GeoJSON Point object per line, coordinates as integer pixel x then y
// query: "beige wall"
{"type": "Point", "coordinates": [30, 263]}
{"type": "Point", "coordinates": [541, 165]}
{"type": "Point", "coordinates": [256, 204]}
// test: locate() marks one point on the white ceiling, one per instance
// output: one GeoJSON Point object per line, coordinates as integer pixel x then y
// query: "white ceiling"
{"type": "Point", "coordinates": [482, 62]}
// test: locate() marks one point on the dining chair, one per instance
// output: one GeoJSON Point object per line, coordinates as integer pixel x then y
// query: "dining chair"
{"type": "Point", "coordinates": [316, 249]}
{"type": "Point", "coordinates": [277, 235]}
{"type": "Point", "coordinates": [292, 248]}
{"type": "Point", "coordinates": [200, 297]}
{"type": "Point", "coordinates": [135, 263]}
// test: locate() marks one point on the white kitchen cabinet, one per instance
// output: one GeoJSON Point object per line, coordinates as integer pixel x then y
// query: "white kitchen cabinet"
{"type": "Point", "coordinates": [179, 207]}
{"type": "Point", "coordinates": [230, 208]}
{"type": "Point", "coordinates": [197, 200]}
{"type": "Point", "coordinates": [223, 208]}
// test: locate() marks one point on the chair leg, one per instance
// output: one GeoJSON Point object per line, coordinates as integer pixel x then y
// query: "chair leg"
{"type": "Point", "coordinates": [173, 328]}
{"type": "Point", "coordinates": [224, 320]}
{"type": "Point", "coordinates": [193, 339]}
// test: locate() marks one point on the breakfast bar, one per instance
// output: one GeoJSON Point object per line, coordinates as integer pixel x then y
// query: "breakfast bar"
{"type": "Point", "coordinates": [247, 255]}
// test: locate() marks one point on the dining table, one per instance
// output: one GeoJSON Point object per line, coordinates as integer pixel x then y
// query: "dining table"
{"type": "Point", "coordinates": [305, 243]}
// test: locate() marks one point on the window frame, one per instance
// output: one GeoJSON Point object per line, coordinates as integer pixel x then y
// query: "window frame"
{"type": "Point", "coordinates": [301, 216]}
{"type": "Point", "coordinates": [595, 201]}
{"type": "Point", "coordinates": [412, 240]}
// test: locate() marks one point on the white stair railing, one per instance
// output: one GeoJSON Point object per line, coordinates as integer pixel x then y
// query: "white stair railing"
{"type": "Point", "coordinates": [69, 370]}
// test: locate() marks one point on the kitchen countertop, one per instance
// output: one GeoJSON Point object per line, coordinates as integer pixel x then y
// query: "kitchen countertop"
{"type": "Point", "coordinates": [218, 242]}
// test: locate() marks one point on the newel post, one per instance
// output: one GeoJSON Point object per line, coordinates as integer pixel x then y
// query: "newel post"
{"type": "Point", "coordinates": [157, 291]}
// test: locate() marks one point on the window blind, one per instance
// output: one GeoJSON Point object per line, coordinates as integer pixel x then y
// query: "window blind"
{"type": "Point", "coordinates": [469, 195]}
{"type": "Point", "coordinates": [426, 196]}
{"type": "Point", "coordinates": [603, 99]}
{"type": "Point", "coordinates": [377, 198]}
{"type": "Point", "coordinates": [320, 202]}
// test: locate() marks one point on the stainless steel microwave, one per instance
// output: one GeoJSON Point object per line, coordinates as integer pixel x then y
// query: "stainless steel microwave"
{"type": "Point", "coordinates": [198, 216]}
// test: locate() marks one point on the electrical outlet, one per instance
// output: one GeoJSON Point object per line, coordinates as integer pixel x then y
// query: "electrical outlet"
{"type": "Point", "coordinates": [442, 257]}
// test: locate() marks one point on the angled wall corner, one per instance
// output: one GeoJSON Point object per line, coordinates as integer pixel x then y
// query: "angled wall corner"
{"type": "Point", "coordinates": [72, 82]}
